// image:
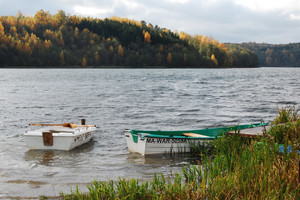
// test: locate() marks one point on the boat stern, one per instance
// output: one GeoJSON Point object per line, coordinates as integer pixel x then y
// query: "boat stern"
{"type": "Point", "coordinates": [58, 138]}
{"type": "Point", "coordinates": [135, 145]}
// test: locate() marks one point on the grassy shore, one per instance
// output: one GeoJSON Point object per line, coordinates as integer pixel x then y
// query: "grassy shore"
{"type": "Point", "coordinates": [235, 168]}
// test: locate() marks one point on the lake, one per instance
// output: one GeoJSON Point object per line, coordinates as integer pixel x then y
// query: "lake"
{"type": "Point", "coordinates": [119, 99]}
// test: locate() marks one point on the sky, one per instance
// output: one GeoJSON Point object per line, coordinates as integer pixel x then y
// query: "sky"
{"type": "Point", "coordinates": [235, 21]}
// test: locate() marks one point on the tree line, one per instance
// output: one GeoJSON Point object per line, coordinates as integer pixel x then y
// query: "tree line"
{"type": "Point", "coordinates": [46, 40]}
{"type": "Point", "coordinates": [275, 55]}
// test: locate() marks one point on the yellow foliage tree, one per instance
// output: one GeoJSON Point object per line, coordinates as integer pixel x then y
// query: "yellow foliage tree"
{"type": "Point", "coordinates": [169, 58]}
{"type": "Point", "coordinates": [126, 20]}
{"type": "Point", "coordinates": [84, 62]}
{"type": "Point", "coordinates": [213, 58]}
{"type": "Point", "coordinates": [184, 36]}
{"type": "Point", "coordinates": [204, 39]}
{"type": "Point", "coordinates": [19, 46]}
{"type": "Point", "coordinates": [147, 37]}
{"type": "Point", "coordinates": [97, 58]}
{"type": "Point", "coordinates": [62, 58]}
{"type": "Point", "coordinates": [42, 17]}
{"type": "Point", "coordinates": [13, 30]}
{"type": "Point", "coordinates": [12, 21]}
{"type": "Point", "coordinates": [1, 29]}
{"type": "Point", "coordinates": [222, 46]}
{"type": "Point", "coordinates": [19, 14]}
{"type": "Point", "coordinates": [111, 49]}
{"type": "Point", "coordinates": [27, 48]}
{"type": "Point", "coordinates": [120, 51]}
{"type": "Point", "coordinates": [60, 17]}
{"type": "Point", "coordinates": [76, 32]}
{"type": "Point", "coordinates": [47, 44]}
{"type": "Point", "coordinates": [61, 41]}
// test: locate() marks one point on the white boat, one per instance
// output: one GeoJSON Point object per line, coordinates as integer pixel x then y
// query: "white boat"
{"type": "Point", "coordinates": [59, 136]}
{"type": "Point", "coordinates": [147, 142]}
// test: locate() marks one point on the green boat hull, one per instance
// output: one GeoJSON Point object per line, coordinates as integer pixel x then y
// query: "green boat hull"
{"type": "Point", "coordinates": [154, 142]}
{"type": "Point", "coordinates": [211, 133]}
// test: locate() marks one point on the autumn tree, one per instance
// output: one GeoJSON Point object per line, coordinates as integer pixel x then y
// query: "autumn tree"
{"type": "Point", "coordinates": [42, 17]}
{"type": "Point", "coordinates": [120, 51]}
{"type": "Point", "coordinates": [19, 14]}
{"type": "Point", "coordinates": [214, 60]}
{"type": "Point", "coordinates": [184, 36]}
{"type": "Point", "coordinates": [61, 58]}
{"type": "Point", "coordinates": [47, 44]}
{"type": "Point", "coordinates": [147, 37]}
{"type": "Point", "coordinates": [111, 49]}
{"type": "Point", "coordinates": [76, 33]}
{"type": "Point", "coordinates": [169, 58]}
{"type": "Point", "coordinates": [84, 62]}
{"type": "Point", "coordinates": [97, 59]}
{"type": "Point", "coordinates": [60, 17]}
{"type": "Point", "coordinates": [1, 28]}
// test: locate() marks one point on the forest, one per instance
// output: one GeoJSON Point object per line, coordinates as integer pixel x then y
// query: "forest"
{"type": "Point", "coordinates": [275, 55]}
{"type": "Point", "coordinates": [61, 40]}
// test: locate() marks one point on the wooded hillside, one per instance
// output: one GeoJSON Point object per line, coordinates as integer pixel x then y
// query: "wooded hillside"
{"type": "Point", "coordinates": [46, 40]}
{"type": "Point", "coordinates": [275, 55]}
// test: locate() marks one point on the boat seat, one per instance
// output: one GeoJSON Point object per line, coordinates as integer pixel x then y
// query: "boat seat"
{"type": "Point", "coordinates": [194, 135]}
{"type": "Point", "coordinates": [56, 131]}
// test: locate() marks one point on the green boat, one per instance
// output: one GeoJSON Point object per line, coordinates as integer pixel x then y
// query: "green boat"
{"type": "Point", "coordinates": [158, 142]}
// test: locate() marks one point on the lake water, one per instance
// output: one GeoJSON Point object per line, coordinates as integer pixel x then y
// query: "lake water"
{"type": "Point", "coordinates": [119, 99]}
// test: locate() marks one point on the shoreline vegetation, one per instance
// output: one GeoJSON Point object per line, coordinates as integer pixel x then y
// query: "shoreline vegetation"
{"type": "Point", "coordinates": [130, 67]}
{"type": "Point", "coordinates": [279, 55]}
{"type": "Point", "coordinates": [234, 168]}
{"type": "Point", "coordinates": [117, 67]}
{"type": "Point", "coordinates": [64, 40]}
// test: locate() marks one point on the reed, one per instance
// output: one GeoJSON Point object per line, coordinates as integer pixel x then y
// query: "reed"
{"type": "Point", "coordinates": [234, 168]}
{"type": "Point", "coordinates": [257, 169]}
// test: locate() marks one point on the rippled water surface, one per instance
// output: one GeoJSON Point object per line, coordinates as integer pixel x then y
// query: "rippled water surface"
{"type": "Point", "coordinates": [119, 99]}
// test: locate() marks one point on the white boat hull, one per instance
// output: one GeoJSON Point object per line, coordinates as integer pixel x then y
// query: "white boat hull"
{"type": "Point", "coordinates": [157, 145]}
{"type": "Point", "coordinates": [63, 138]}
{"type": "Point", "coordinates": [181, 141]}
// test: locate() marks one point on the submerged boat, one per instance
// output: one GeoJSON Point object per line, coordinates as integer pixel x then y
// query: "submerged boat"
{"type": "Point", "coordinates": [65, 136]}
{"type": "Point", "coordinates": [148, 142]}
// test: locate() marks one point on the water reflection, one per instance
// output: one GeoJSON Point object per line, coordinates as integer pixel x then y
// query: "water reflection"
{"type": "Point", "coordinates": [48, 157]}
{"type": "Point", "coordinates": [43, 157]}
{"type": "Point", "coordinates": [161, 159]}
{"type": "Point", "coordinates": [32, 184]}
{"type": "Point", "coordinates": [87, 147]}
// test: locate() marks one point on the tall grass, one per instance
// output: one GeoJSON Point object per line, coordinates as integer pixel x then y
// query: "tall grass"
{"type": "Point", "coordinates": [286, 128]}
{"type": "Point", "coordinates": [255, 171]}
{"type": "Point", "coordinates": [238, 169]}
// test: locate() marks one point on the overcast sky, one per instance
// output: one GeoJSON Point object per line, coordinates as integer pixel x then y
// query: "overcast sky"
{"type": "Point", "coordinates": [270, 21]}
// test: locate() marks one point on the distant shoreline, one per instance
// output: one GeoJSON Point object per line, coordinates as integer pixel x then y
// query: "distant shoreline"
{"type": "Point", "coordinates": [157, 67]}
{"type": "Point", "coordinates": [117, 67]}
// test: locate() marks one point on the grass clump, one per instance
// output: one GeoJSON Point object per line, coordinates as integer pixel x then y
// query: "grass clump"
{"type": "Point", "coordinates": [158, 188]}
{"type": "Point", "coordinates": [257, 169]}
{"type": "Point", "coordinates": [235, 169]}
